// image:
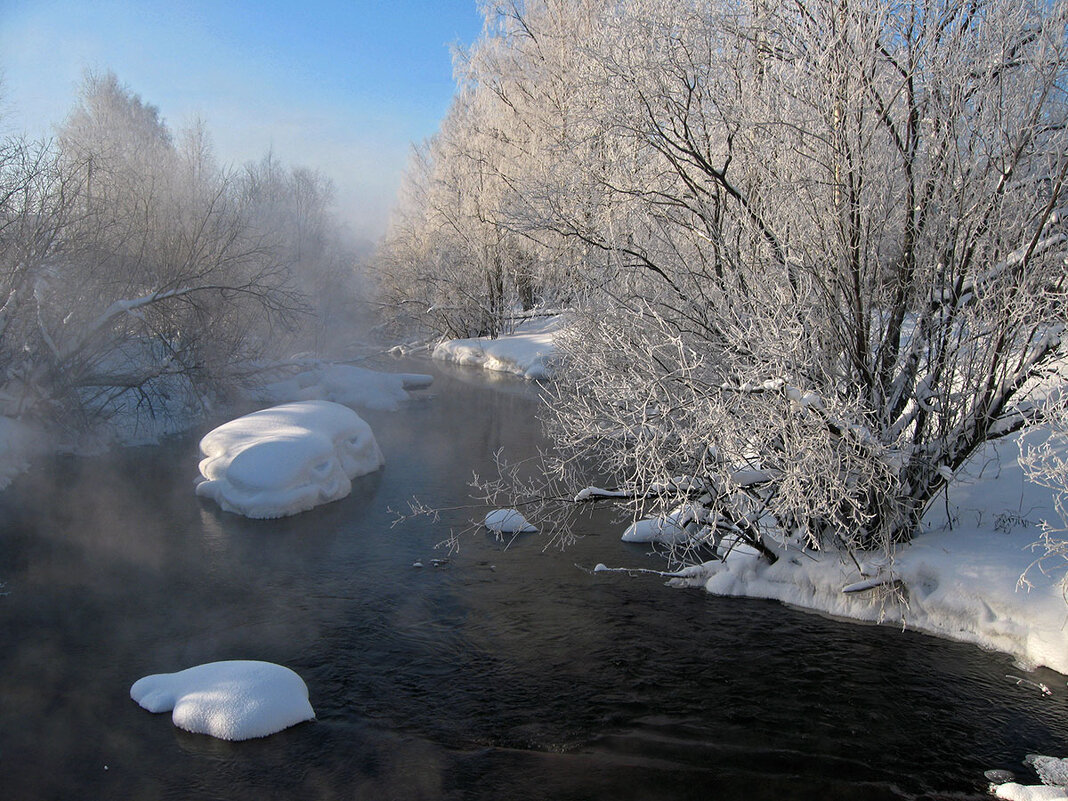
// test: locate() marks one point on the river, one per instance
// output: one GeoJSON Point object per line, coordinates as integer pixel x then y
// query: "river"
{"type": "Point", "coordinates": [500, 673]}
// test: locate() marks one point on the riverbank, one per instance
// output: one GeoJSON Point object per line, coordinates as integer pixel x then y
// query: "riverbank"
{"type": "Point", "coordinates": [972, 575]}
{"type": "Point", "coordinates": [526, 352]}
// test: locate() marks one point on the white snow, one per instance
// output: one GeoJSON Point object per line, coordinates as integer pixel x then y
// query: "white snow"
{"type": "Point", "coordinates": [286, 459]}
{"type": "Point", "coordinates": [1054, 775]}
{"type": "Point", "coordinates": [1012, 791]}
{"type": "Point", "coordinates": [508, 521]}
{"type": "Point", "coordinates": [345, 384]}
{"type": "Point", "coordinates": [526, 352]}
{"type": "Point", "coordinates": [236, 700]}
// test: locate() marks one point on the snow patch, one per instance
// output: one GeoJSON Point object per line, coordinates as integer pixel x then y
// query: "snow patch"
{"type": "Point", "coordinates": [508, 521]}
{"type": "Point", "coordinates": [287, 459]}
{"type": "Point", "coordinates": [1021, 792]}
{"type": "Point", "coordinates": [235, 700]}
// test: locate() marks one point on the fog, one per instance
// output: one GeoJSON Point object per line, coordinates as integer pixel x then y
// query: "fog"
{"type": "Point", "coordinates": [143, 283]}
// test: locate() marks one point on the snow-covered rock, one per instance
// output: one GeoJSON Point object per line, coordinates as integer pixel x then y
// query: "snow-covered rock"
{"type": "Point", "coordinates": [526, 352]}
{"type": "Point", "coordinates": [508, 521]}
{"type": "Point", "coordinates": [286, 459]}
{"type": "Point", "coordinates": [236, 700]}
{"type": "Point", "coordinates": [669, 529]}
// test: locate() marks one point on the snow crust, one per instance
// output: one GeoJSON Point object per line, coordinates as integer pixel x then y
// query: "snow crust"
{"type": "Point", "coordinates": [527, 352]}
{"type": "Point", "coordinates": [287, 459]}
{"type": "Point", "coordinates": [508, 521]}
{"type": "Point", "coordinates": [959, 580]}
{"type": "Point", "coordinates": [235, 700]}
{"type": "Point", "coordinates": [345, 384]}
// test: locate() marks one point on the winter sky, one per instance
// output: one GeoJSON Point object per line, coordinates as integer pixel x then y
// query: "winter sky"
{"type": "Point", "coordinates": [342, 86]}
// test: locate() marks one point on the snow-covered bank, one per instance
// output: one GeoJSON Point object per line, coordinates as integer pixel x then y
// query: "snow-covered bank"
{"type": "Point", "coordinates": [345, 384]}
{"type": "Point", "coordinates": [960, 579]}
{"type": "Point", "coordinates": [527, 352]}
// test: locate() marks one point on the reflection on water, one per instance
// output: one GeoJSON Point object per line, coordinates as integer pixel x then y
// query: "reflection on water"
{"type": "Point", "coordinates": [497, 674]}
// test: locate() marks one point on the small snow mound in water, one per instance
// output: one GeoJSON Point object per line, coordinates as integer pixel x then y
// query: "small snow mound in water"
{"type": "Point", "coordinates": [669, 529]}
{"type": "Point", "coordinates": [508, 521]}
{"type": "Point", "coordinates": [287, 459]}
{"type": "Point", "coordinates": [236, 700]}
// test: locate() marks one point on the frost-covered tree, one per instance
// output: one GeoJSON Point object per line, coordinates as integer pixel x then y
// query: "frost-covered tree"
{"type": "Point", "coordinates": [293, 207]}
{"type": "Point", "coordinates": [140, 277]}
{"type": "Point", "coordinates": [162, 281]}
{"type": "Point", "coordinates": [824, 251]}
{"type": "Point", "coordinates": [1046, 463]}
{"type": "Point", "coordinates": [39, 205]}
{"type": "Point", "coordinates": [450, 264]}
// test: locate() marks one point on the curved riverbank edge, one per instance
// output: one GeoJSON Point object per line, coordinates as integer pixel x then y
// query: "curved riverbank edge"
{"type": "Point", "coordinates": [974, 575]}
{"type": "Point", "coordinates": [526, 352]}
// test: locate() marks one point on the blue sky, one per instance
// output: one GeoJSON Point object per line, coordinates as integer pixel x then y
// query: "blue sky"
{"type": "Point", "coordinates": [342, 87]}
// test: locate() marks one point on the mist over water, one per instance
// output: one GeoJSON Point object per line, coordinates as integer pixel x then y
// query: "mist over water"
{"type": "Point", "coordinates": [500, 673]}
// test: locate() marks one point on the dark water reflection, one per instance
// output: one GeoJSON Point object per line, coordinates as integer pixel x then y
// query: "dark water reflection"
{"type": "Point", "coordinates": [498, 675]}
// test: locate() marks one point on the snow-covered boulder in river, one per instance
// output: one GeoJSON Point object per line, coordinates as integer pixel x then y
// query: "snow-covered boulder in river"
{"type": "Point", "coordinates": [236, 700]}
{"type": "Point", "coordinates": [286, 459]}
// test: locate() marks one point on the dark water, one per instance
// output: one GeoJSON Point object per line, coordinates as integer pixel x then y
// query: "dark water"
{"type": "Point", "coordinates": [502, 674]}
